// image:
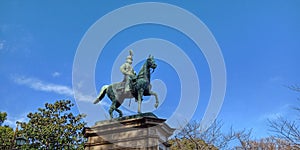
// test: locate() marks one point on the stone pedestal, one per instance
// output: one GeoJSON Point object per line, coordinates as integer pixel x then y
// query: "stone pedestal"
{"type": "Point", "coordinates": [142, 132]}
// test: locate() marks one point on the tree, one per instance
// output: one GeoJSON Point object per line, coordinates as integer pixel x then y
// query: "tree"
{"type": "Point", "coordinates": [187, 144]}
{"type": "Point", "coordinates": [244, 138]}
{"type": "Point", "coordinates": [269, 143]}
{"type": "Point", "coordinates": [193, 137]}
{"type": "Point", "coordinates": [3, 116]}
{"type": "Point", "coordinates": [286, 129]}
{"type": "Point", "coordinates": [54, 127]}
{"type": "Point", "coordinates": [6, 133]}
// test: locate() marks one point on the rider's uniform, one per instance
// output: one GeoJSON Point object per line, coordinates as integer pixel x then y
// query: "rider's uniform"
{"type": "Point", "coordinates": [127, 70]}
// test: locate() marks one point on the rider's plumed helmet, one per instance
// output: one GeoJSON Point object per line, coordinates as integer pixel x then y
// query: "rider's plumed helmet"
{"type": "Point", "coordinates": [129, 59]}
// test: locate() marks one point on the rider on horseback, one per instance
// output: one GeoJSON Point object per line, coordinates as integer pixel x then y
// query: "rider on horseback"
{"type": "Point", "coordinates": [138, 86]}
{"type": "Point", "coordinates": [128, 71]}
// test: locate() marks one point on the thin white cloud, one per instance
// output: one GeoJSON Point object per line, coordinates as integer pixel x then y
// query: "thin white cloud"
{"type": "Point", "coordinates": [11, 121]}
{"type": "Point", "coordinates": [271, 116]}
{"type": "Point", "coordinates": [1, 45]}
{"type": "Point", "coordinates": [275, 79]}
{"type": "Point", "coordinates": [43, 86]}
{"type": "Point", "coordinates": [275, 115]}
{"type": "Point", "coordinates": [56, 74]}
{"type": "Point", "coordinates": [40, 85]}
{"type": "Point", "coordinates": [84, 97]}
{"type": "Point", "coordinates": [20, 43]}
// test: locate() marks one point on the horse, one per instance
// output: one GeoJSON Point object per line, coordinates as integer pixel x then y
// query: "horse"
{"type": "Point", "coordinates": [139, 87]}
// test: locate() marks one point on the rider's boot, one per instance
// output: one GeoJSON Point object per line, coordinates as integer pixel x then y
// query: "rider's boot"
{"type": "Point", "coordinates": [127, 89]}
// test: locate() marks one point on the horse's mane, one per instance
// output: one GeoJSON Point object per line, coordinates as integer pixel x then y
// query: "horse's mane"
{"type": "Point", "coordinates": [142, 71]}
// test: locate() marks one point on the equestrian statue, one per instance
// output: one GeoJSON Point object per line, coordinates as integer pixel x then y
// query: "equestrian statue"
{"type": "Point", "coordinates": [132, 86]}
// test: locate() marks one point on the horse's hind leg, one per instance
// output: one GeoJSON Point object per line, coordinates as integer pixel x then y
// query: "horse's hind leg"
{"type": "Point", "coordinates": [111, 109]}
{"type": "Point", "coordinates": [113, 99]}
{"type": "Point", "coordinates": [115, 106]}
{"type": "Point", "coordinates": [118, 110]}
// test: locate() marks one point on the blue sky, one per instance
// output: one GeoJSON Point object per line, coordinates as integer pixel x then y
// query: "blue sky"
{"type": "Point", "coordinates": [259, 42]}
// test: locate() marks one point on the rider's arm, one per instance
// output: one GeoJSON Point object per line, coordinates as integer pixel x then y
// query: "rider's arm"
{"type": "Point", "coordinates": [125, 69]}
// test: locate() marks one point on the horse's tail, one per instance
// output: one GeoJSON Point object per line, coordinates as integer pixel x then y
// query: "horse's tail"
{"type": "Point", "coordinates": [102, 94]}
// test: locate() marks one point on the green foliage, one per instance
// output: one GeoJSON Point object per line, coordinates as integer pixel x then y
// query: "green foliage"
{"type": "Point", "coordinates": [6, 137]}
{"type": "Point", "coordinates": [3, 116]}
{"type": "Point", "coordinates": [54, 127]}
{"type": "Point", "coordinates": [6, 133]}
{"type": "Point", "coordinates": [188, 144]}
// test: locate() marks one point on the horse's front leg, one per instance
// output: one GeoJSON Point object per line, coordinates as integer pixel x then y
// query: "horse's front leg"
{"type": "Point", "coordinates": [140, 94]}
{"type": "Point", "coordinates": [156, 98]}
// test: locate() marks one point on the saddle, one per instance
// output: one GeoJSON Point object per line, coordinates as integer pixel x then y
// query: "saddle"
{"type": "Point", "coordinates": [121, 87]}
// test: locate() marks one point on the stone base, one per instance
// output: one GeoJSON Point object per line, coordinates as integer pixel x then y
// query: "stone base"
{"type": "Point", "coordinates": [143, 131]}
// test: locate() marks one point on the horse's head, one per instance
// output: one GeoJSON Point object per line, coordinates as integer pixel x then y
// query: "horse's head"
{"type": "Point", "coordinates": [151, 62]}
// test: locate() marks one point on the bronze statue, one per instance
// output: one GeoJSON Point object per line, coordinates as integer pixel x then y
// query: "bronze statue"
{"type": "Point", "coordinates": [128, 71]}
{"type": "Point", "coordinates": [139, 86]}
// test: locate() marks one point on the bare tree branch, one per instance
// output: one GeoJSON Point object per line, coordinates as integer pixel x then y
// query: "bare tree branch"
{"type": "Point", "coordinates": [286, 129]}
